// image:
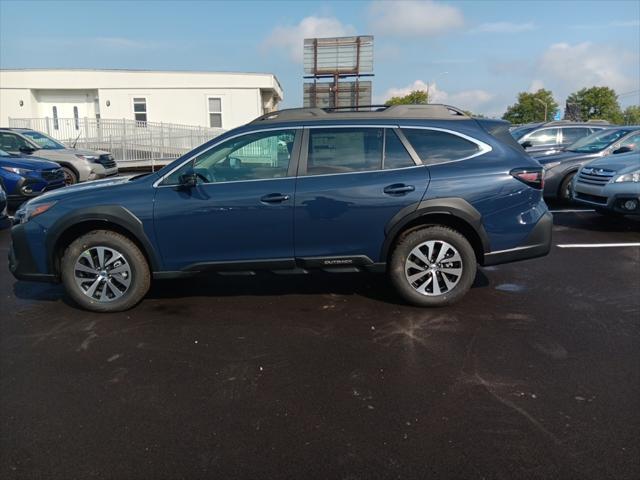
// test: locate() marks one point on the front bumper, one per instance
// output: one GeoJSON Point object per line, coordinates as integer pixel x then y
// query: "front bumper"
{"type": "Point", "coordinates": [21, 262]}
{"type": "Point", "coordinates": [610, 197]}
{"type": "Point", "coordinates": [537, 244]}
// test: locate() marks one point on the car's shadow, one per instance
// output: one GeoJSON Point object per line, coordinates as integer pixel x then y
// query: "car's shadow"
{"type": "Point", "coordinates": [596, 222]}
{"type": "Point", "coordinates": [373, 286]}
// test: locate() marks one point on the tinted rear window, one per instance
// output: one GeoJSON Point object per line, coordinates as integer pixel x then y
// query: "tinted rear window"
{"type": "Point", "coordinates": [433, 146]}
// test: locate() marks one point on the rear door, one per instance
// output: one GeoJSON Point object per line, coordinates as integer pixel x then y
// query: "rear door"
{"type": "Point", "coordinates": [351, 182]}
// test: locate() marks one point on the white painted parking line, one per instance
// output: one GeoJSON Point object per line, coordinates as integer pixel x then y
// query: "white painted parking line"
{"type": "Point", "coordinates": [599, 245]}
{"type": "Point", "coordinates": [571, 211]}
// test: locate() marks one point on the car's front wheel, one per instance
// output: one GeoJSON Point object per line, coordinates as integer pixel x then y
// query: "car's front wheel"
{"type": "Point", "coordinates": [70, 177]}
{"type": "Point", "coordinates": [433, 266]}
{"type": "Point", "coordinates": [105, 271]}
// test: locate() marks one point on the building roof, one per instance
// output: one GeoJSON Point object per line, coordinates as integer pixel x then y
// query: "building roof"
{"type": "Point", "coordinates": [87, 78]}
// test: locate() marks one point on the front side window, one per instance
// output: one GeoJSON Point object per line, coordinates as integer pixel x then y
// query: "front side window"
{"type": "Point", "coordinates": [633, 142]}
{"type": "Point", "coordinates": [12, 142]}
{"type": "Point", "coordinates": [140, 109]}
{"type": "Point", "coordinates": [255, 156]}
{"type": "Point", "coordinates": [433, 146]}
{"type": "Point", "coordinates": [344, 150]}
{"type": "Point", "coordinates": [548, 136]}
{"type": "Point", "coordinates": [43, 141]}
{"type": "Point", "coordinates": [215, 112]}
{"type": "Point", "coordinates": [573, 134]}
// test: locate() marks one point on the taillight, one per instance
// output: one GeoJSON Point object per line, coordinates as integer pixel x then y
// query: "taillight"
{"type": "Point", "coordinates": [534, 177]}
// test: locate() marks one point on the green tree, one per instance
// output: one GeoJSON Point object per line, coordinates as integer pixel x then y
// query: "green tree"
{"type": "Point", "coordinates": [530, 107]}
{"type": "Point", "coordinates": [599, 103]}
{"type": "Point", "coordinates": [631, 115]}
{"type": "Point", "coordinates": [416, 97]}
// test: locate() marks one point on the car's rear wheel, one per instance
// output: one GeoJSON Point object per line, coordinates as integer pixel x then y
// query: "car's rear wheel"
{"type": "Point", "coordinates": [70, 176]}
{"type": "Point", "coordinates": [433, 266]}
{"type": "Point", "coordinates": [104, 271]}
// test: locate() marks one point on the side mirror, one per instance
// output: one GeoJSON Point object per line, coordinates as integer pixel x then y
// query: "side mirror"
{"type": "Point", "coordinates": [25, 149]}
{"type": "Point", "coordinates": [526, 144]}
{"type": "Point", "coordinates": [188, 180]}
{"type": "Point", "coordinates": [623, 150]}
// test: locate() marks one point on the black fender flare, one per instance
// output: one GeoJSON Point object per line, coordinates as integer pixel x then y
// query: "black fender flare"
{"type": "Point", "coordinates": [454, 206]}
{"type": "Point", "coordinates": [109, 214]}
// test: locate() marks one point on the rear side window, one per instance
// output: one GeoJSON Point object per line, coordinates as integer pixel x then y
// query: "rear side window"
{"type": "Point", "coordinates": [433, 146]}
{"type": "Point", "coordinates": [570, 135]}
{"type": "Point", "coordinates": [395, 155]}
{"type": "Point", "coordinates": [344, 150]}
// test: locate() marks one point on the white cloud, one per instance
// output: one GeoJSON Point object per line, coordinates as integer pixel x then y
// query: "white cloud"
{"type": "Point", "coordinates": [291, 37]}
{"type": "Point", "coordinates": [414, 18]}
{"type": "Point", "coordinates": [567, 68]}
{"type": "Point", "coordinates": [504, 27]}
{"type": "Point", "coordinates": [466, 99]}
{"type": "Point", "coordinates": [536, 84]}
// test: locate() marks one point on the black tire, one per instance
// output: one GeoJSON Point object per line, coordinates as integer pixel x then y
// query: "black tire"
{"type": "Point", "coordinates": [138, 271]}
{"type": "Point", "coordinates": [70, 177]}
{"type": "Point", "coordinates": [402, 252]}
{"type": "Point", "coordinates": [564, 194]}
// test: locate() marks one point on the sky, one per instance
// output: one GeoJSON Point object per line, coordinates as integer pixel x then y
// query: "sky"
{"type": "Point", "coordinates": [476, 55]}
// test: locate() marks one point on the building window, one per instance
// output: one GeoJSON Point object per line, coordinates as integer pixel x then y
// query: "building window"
{"type": "Point", "coordinates": [215, 112]}
{"type": "Point", "coordinates": [56, 126]}
{"type": "Point", "coordinates": [76, 120]}
{"type": "Point", "coordinates": [140, 110]}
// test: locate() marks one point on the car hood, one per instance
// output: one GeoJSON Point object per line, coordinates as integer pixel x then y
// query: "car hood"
{"type": "Point", "coordinates": [621, 163]}
{"type": "Point", "coordinates": [31, 163]}
{"type": "Point", "coordinates": [70, 190]}
{"type": "Point", "coordinates": [565, 156]}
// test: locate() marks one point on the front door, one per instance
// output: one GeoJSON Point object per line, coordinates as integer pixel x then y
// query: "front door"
{"type": "Point", "coordinates": [352, 182]}
{"type": "Point", "coordinates": [239, 213]}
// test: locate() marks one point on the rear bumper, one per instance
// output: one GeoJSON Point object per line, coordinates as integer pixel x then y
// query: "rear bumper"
{"type": "Point", "coordinates": [537, 244]}
{"type": "Point", "coordinates": [21, 262]}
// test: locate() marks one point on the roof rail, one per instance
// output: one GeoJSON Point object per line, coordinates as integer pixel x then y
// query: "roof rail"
{"type": "Point", "coordinates": [426, 111]}
{"type": "Point", "coordinates": [595, 120]}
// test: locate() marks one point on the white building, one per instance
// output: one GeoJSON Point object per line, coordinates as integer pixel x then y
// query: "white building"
{"type": "Point", "coordinates": [203, 99]}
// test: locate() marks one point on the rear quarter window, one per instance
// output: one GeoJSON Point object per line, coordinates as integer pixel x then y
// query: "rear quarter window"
{"type": "Point", "coordinates": [433, 146]}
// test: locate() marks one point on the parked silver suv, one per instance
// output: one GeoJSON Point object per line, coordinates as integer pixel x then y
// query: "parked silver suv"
{"type": "Point", "coordinates": [78, 165]}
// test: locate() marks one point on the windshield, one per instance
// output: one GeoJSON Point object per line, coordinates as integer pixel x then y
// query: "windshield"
{"type": "Point", "coordinates": [520, 132]}
{"type": "Point", "coordinates": [4, 154]}
{"type": "Point", "coordinates": [43, 141]}
{"type": "Point", "coordinates": [597, 141]}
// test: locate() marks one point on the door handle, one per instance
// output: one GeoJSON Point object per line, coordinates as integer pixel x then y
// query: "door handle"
{"type": "Point", "coordinates": [398, 189]}
{"type": "Point", "coordinates": [275, 198]}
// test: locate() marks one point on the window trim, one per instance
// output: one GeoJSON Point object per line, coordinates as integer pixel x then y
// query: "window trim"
{"type": "Point", "coordinates": [302, 152]}
{"type": "Point", "coordinates": [291, 171]}
{"type": "Point", "coordinates": [209, 112]}
{"type": "Point", "coordinates": [146, 108]}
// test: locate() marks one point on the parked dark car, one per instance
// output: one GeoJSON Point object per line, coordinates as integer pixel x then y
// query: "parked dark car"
{"type": "Point", "coordinates": [552, 137]}
{"type": "Point", "coordinates": [610, 184]}
{"type": "Point", "coordinates": [561, 167]}
{"type": "Point", "coordinates": [25, 178]}
{"type": "Point", "coordinates": [422, 192]}
{"type": "Point", "coordinates": [4, 209]}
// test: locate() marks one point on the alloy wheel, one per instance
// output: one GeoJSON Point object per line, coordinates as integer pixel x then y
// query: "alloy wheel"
{"type": "Point", "coordinates": [433, 268]}
{"type": "Point", "coordinates": [102, 273]}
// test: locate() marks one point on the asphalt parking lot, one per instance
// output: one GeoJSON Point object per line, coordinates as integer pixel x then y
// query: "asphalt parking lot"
{"type": "Point", "coordinates": [533, 375]}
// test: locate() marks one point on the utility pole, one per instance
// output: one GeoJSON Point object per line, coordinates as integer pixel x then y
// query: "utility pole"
{"type": "Point", "coordinates": [546, 106]}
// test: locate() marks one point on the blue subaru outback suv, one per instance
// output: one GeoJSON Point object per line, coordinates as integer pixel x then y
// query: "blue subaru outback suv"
{"type": "Point", "coordinates": [422, 192]}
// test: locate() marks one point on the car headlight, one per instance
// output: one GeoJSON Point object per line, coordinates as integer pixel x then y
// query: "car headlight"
{"type": "Point", "coordinates": [17, 171]}
{"type": "Point", "coordinates": [550, 165]}
{"type": "Point", "coordinates": [26, 213]}
{"type": "Point", "coordinates": [90, 158]}
{"type": "Point", "coordinates": [628, 177]}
